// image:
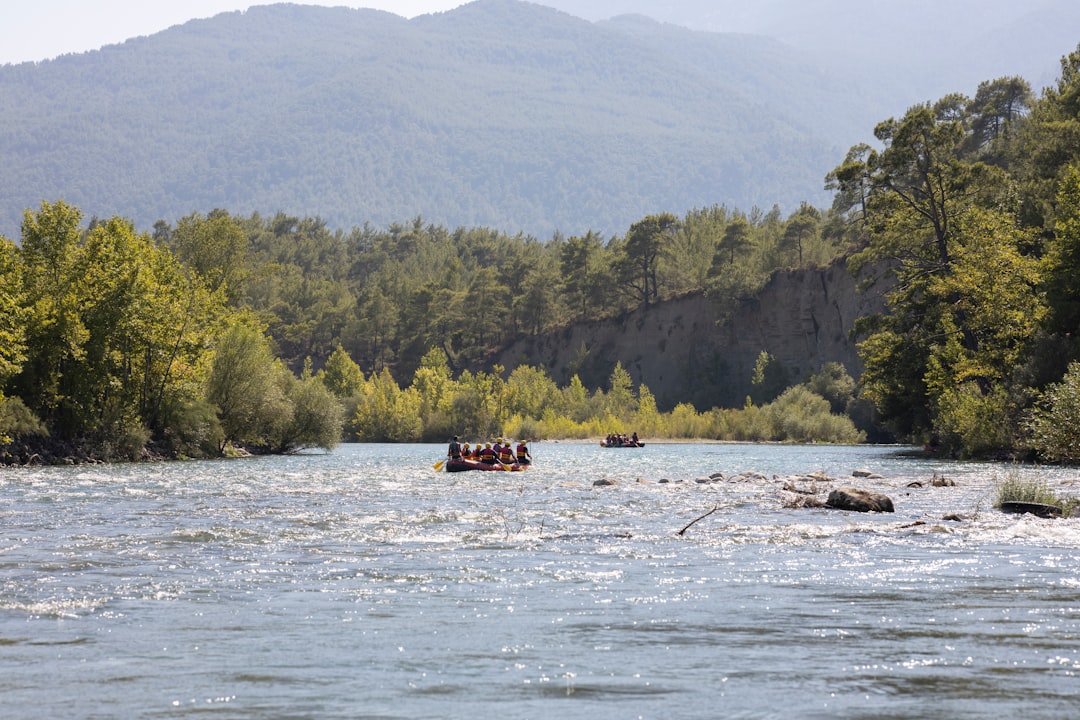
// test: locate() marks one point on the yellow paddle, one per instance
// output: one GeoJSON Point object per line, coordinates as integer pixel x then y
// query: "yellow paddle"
{"type": "Point", "coordinates": [438, 465]}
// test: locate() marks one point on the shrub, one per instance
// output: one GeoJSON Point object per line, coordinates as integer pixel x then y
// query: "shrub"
{"type": "Point", "coordinates": [1014, 488]}
{"type": "Point", "coordinates": [1054, 426]}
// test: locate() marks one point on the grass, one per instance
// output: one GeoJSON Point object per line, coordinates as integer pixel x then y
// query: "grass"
{"type": "Point", "coordinates": [1014, 488]}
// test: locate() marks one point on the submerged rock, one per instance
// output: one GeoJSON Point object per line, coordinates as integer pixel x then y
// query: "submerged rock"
{"type": "Point", "coordinates": [864, 473]}
{"type": "Point", "coordinates": [1037, 509]}
{"type": "Point", "coordinates": [859, 500]}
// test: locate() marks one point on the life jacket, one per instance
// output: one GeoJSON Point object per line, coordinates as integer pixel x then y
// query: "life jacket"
{"type": "Point", "coordinates": [522, 453]}
{"type": "Point", "coordinates": [455, 450]}
{"type": "Point", "coordinates": [506, 454]}
{"type": "Point", "coordinates": [488, 455]}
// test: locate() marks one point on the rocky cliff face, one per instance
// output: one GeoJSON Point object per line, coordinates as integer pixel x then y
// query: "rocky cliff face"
{"type": "Point", "coordinates": [683, 353]}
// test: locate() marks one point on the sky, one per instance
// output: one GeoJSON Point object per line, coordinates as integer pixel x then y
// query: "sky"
{"type": "Point", "coordinates": [42, 29]}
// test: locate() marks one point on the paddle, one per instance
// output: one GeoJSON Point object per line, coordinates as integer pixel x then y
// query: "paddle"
{"type": "Point", "coordinates": [438, 465]}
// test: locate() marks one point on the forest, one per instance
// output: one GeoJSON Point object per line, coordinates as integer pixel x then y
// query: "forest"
{"type": "Point", "coordinates": [223, 332]}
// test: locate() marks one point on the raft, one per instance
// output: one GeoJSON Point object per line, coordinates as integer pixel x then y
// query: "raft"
{"type": "Point", "coordinates": [628, 444]}
{"type": "Point", "coordinates": [463, 465]}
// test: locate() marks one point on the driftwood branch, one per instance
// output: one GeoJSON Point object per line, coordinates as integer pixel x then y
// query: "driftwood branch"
{"type": "Point", "coordinates": [715, 508]}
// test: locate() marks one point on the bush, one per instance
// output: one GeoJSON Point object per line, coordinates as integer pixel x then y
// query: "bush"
{"type": "Point", "coordinates": [1014, 488]}
{"type": "Point", "coordinates": [1054, 426]}
{"type": "Point", "coordinates": [17, 420]}
{"type": "Point", "coordinates": [801, 415]}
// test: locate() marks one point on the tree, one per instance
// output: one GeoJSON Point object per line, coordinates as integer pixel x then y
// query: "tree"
{"type": "Point", "coordinates": [801, 227]}
{"type": "Point", "coordinates": [738, 235]}
{"type": "Point", "coordinates": [619, 402]}
{"type": "Point", "coordinates": [215, 247]}
{"type": "Point", "coordinates": [117, 331]}
{"type": "Point", "coordinates": [1054, 424]}
{"type": "Point", "coordinates": [585, 266]}
{"type": "Point", "coordinates": [316, 419]}
{"type": "Point", "coordinates": [12, 313]}
{"type": "Point", "coordinates": [341, 375]}
{"type": "Point", "coordinates": [919, 191]}
{"type": "Point", "coordinates": [995, 112]}
{"type": "Point", "coordinates": [644, 243]}
{"type": "Point", "coordinates": [386, 413]}
{"type": "Point", "coordinates": [246, 384]}
{"type": "Point", "coordinates": [531, 391]}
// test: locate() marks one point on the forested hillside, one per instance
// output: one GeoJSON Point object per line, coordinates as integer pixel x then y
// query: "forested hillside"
{"type": "Point", "coordinates": [500, 114]}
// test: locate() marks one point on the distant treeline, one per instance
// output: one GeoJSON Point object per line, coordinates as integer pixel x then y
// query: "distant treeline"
{"type": "Point", "coordinates": [189, 340]}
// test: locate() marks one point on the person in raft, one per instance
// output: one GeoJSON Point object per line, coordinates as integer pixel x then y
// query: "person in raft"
{"type": "Point", "coordinates": [487, 455]}
{"type": "Point", "coordinates": [454, 450]}
{"type": "Point", "coordinates": [523, 456]}
{"type": "Point", "coordinates": [506, 453]}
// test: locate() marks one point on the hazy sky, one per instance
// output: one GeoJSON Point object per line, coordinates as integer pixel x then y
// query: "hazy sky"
{"type": "Point", "coordinates": [43, 29]}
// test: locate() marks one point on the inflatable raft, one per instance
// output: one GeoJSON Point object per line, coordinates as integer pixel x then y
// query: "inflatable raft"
{"type": "Point", "coordinates": [463, 465]}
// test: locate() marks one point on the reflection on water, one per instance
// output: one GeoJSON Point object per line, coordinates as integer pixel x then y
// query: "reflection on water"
{"type": "Point", "coordinates": [364, 584]}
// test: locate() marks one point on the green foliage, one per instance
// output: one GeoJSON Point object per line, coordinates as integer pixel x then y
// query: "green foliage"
{"type": "Point", "coordinates": [247, 385]}
{"type": "Point", "coordinates": [1054, 423]}
{"type": "Point", "coordinates": [769, 378]}
{"type": "Point", "coordinates": [833, 383]}
{"type": "Point", "coordinates": [17, 420]}
{"type": "Point", "coordinates": [1015, 488]}
{"type": "Point", "coordinates": [316, 419]}
{"type": "Point", "coordinates": [12, 313]}
{"type": "Point", "coordinates": [341, 375]}
{"type": "Point", "coordinates": [115, 330]}
{"type": "Point", "coordinates": [386, 412]}
{"type": "Point", "coordinates": [800, 415]}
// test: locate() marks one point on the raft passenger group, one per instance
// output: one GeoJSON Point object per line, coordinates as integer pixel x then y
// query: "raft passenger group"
{"type": "Point", "coordinates": [503, 451]}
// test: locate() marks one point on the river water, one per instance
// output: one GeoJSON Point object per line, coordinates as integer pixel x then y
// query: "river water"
{"type": "Point", "coordinates": [362, 584]}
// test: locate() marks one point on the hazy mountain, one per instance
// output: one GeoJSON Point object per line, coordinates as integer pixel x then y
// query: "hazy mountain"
{"type": "Point", "coordinates": [499, 113]}
{"type": "Point", "coordinates": [917, 50]}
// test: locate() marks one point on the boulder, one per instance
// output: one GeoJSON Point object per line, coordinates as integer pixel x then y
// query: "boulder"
{"type": "Point", "coordinates": [859, 500]}
{"type": "Point", "coordinates": [1042, 510]}
{"type": "Point", "coordinates": [864, 473]}
{"type": "Point", "coordinates": [604, 482]}
{"type": "Point", "coordinates": [749, 476]}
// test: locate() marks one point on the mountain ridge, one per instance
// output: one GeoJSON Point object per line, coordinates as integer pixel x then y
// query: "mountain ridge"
{"type": "Point", "coordinates": [499, 113]}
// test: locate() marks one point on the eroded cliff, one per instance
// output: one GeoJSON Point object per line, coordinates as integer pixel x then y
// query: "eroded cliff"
{"type": "Point", "coordinates": [685, 350]}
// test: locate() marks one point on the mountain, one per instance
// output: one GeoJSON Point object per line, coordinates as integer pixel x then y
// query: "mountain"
{"type": "Point", "coordinates": [500, 113]}
{"type": "Point", "coordinates": [914, 51]}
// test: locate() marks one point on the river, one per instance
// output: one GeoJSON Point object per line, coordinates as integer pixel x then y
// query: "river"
{"type": "Point", "coordinates": [363, 584]}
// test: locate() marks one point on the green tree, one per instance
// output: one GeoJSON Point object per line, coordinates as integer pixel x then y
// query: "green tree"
{"type": "Point", "coordinates": [341, 375]}
{"type": "Point", "coordinates": [644, 244]}
{"type": "Point", "coordinates": [585, 267]}
{"type": "Point", "coordinates": [531, 391]}
{"type": "Point", "coordinates": [386, 413]}
{"type": "Point", "coordinates": [738, 236]}
{"type": "Point", "coordinates": [619, 401]}
{"type": "Point", "coordinates": [919, 190]}
{"type": "Point", "coordinates": [995, 112]}
{"type": "Point", "coordinates": [12, 313]}
{"type": "Point", "coordinates": [316, 417]}
{"type": "Point", "coordinates": [117, 331]}
{"type": "Point", "coordinates": [215, 247]}
{"type": "Point", "coordinates": [247, 385]}
{"type": "Point", "coordinates": [801, 228]}
{"type": "Point", "coordinates": [1053, 424]}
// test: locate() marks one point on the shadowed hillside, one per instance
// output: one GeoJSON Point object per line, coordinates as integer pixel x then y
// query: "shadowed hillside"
{"type": "Point", "coordinates": [499, 113]}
